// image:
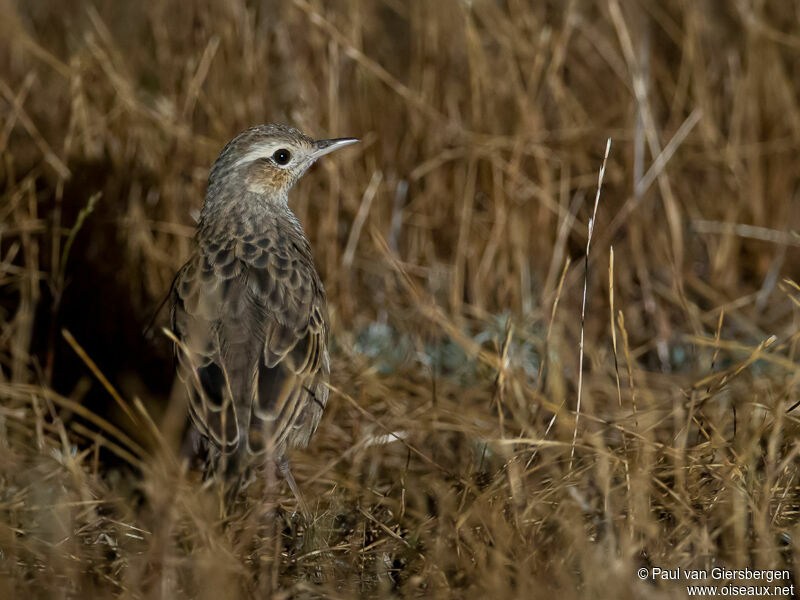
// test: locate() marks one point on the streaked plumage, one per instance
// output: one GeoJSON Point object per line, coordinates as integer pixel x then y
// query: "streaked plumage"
{"type": "Point", "coordinates": [249, 308]}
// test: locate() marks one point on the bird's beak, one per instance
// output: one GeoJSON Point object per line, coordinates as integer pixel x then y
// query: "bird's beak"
{"type": "Point", "coordinates": [323, 147]}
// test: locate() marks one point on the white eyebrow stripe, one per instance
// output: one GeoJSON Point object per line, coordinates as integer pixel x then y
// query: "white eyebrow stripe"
{"type": "Point", "coordinates": [258, 151]}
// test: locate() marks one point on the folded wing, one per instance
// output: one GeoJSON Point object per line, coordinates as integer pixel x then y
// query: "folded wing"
{"type": "Point", "coordinates": [250, 314]}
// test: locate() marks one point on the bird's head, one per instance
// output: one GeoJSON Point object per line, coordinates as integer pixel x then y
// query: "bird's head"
{"type": "Point", "coordinates": [269, 159]}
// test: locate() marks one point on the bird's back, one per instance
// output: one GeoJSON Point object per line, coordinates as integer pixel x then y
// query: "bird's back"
{"type": "Point", "coordinates": [250, 312]}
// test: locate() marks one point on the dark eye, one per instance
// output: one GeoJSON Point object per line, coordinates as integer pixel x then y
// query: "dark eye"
{"type": "Point", "coordinates": [282, 156]}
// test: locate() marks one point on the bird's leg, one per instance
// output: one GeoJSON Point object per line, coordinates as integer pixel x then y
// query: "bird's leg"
{"type": "Point", "coordinates": [286, 471]}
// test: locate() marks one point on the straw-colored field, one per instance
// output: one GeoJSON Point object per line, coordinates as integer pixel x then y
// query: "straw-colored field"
{"type": "Point", "coordinates": [464, 451]}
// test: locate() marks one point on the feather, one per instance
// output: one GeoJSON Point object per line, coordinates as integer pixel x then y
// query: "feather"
{"type": "Point", "coordinates": [252, 318]}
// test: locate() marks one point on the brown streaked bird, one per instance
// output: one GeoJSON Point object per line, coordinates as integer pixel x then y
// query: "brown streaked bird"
{"type": "Point", "coordinates": [248, 309]}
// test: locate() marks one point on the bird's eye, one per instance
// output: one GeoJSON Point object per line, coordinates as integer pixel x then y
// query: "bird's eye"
{"type": "Point", "coordinates": [282, 156]}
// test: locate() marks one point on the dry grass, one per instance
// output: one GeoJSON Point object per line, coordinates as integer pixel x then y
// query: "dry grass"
{"type": "Point", "coordinates": [451, 242]}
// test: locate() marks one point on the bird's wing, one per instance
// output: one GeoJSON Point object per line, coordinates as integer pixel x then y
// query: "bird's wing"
{"type": "Point", "coordinates": [288, 394]}
{"type": "Point", "coordinates": [196, 301]}
{"type": "Point", "coordinates": [251, 315]}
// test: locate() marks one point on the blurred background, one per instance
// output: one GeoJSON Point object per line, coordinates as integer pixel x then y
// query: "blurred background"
{"type": "Point", "coordinates": [452, 244]}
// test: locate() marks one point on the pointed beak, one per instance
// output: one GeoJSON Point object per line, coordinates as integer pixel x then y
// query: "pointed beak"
{"type": "Point", "coordinates": [323, 147]}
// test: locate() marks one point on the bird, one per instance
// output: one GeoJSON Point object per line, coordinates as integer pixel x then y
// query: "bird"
{"type": "Point", "coordinates": [248, 310]}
